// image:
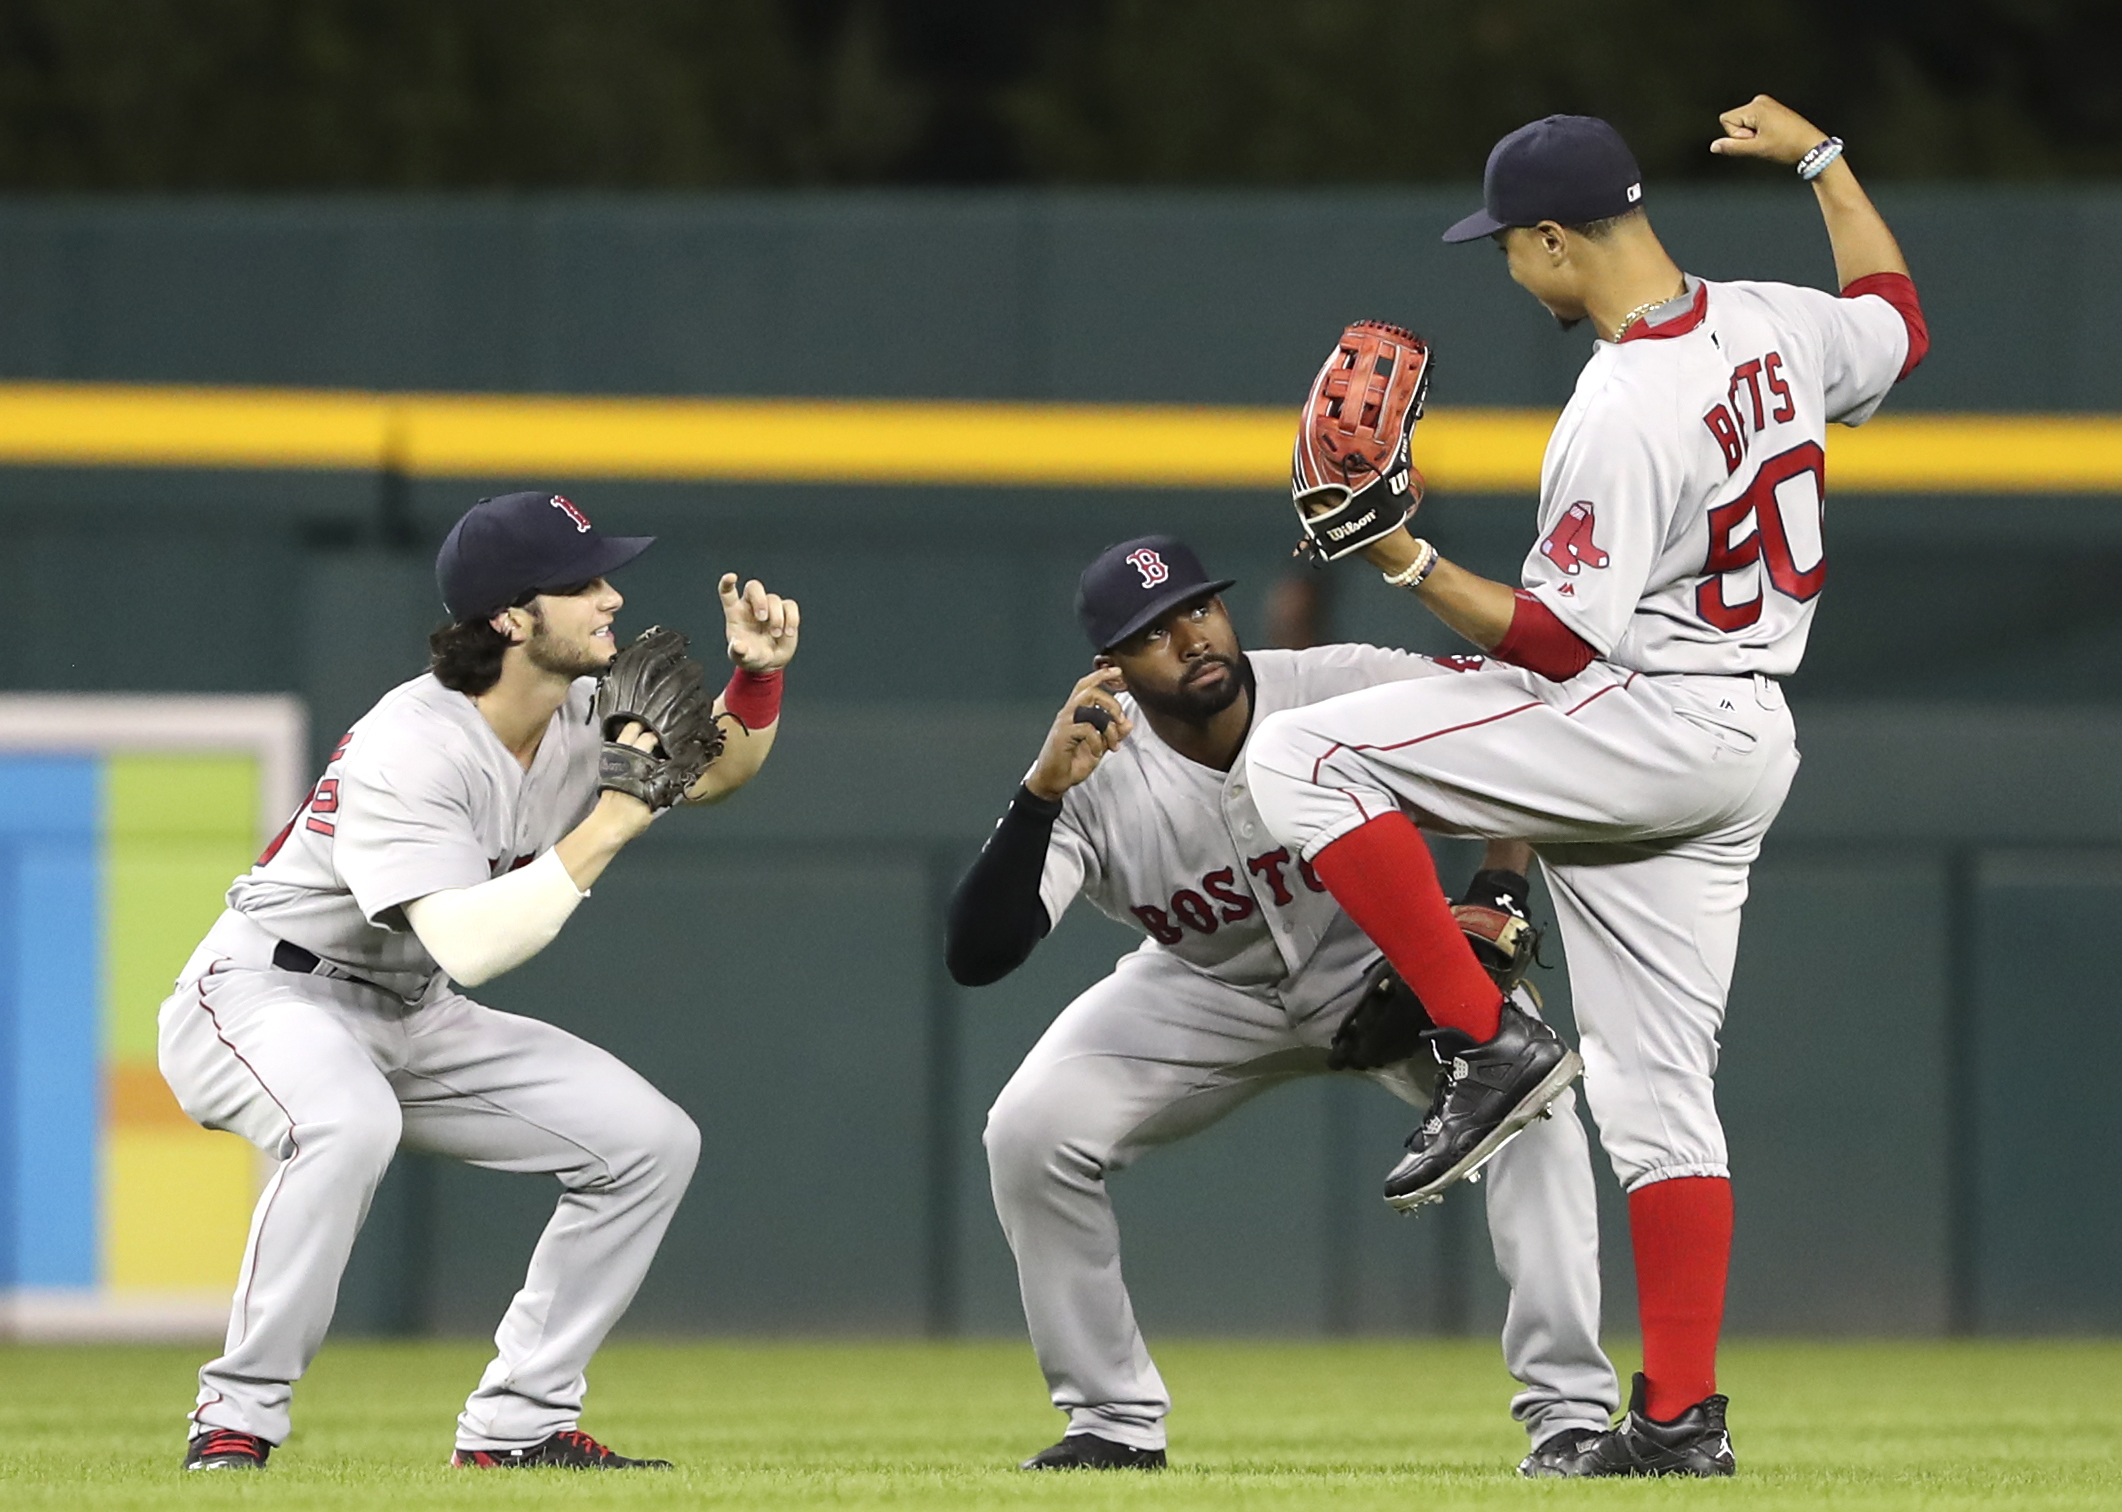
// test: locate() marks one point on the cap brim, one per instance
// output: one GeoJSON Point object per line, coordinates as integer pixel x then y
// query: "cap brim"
{"type": "Point", "coordinates": [612, 553]}
{"type": "Point", "coordinates": [1163, 604]}
{"type": "Point", "coordinates": [1474, 227]}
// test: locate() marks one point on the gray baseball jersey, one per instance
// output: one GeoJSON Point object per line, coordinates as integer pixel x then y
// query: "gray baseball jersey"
{"type": "Point", "coordinates": [1682, 492]}
{"type": "Point", "coordinates": [1238, 988]}
{"type": "Point", "coordinates": [1681, 525]}
{"type": "Point", "coordinates": [330, 1072]}
{"type": "Point", "coordinates": [1177, 850]}
{"type": "Point", "coordinates": [418, 797]}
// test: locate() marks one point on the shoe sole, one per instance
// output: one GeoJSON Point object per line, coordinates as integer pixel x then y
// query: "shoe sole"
{"type": "Point", "coordinates": [1532, 1106]}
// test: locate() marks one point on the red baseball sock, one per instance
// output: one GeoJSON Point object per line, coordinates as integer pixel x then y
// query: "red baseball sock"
{"type": "Point", "coordinates": [1682, 1234]}
{"type": "Point", "coordinates": [1382, 874]}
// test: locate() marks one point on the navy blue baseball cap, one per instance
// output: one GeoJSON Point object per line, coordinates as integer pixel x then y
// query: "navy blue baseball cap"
{"type": "Point", "coordinates": [520, 543]}
{"type": "Point", "coordinates": [1564, 168]}
{"type": "Point", "coordinates": [1132, 584]}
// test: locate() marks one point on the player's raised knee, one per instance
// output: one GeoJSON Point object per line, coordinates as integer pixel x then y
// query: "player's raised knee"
{"type": "Point", "coordinates": [1271, 748]}
{"type": "Point", "coordinates": [1275, 768]}
{"type": "Point", "coordinates": [1278, 756]}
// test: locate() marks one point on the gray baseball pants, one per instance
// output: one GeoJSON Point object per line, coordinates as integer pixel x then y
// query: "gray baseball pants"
{"type": "Point", "coordinates": [1647, 799]}
{"type": "Point", "coordinates": [1156, 1052]}
{"type": "Point", "coordinates": [329, 1078]}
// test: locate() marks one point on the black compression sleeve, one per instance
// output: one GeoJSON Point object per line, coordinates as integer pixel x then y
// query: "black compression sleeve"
{"type": "Point", "coordinates": [995, 915]}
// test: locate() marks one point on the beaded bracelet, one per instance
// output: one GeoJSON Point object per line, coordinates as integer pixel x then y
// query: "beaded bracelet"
{"type": "Point", "coordinates": [1815, 162]}
{"type": "Point", "coordinates": [1411, 576]}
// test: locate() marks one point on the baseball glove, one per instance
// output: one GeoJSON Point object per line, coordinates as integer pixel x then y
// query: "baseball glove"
{"type": "Point", "coordinates": [1351, 477]}
{"type": "Point", "coordinates": [654, 683]}
{"type": "Point", "coordinates": [1493, 914]}
{"type": "Point", "coordinates": [1384, 1028]}
{"type": "Point", "coordinates": [1388, 1021]}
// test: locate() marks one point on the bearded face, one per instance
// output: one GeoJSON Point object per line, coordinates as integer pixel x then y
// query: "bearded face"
{"type": "Point", "coordinates": [1188, 666]}
{"type": "Point", "coordinates": [571, 633]}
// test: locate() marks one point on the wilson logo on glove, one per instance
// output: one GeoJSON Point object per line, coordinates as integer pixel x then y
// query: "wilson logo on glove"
{"type": "Point", "coordinates": [1354, 436]}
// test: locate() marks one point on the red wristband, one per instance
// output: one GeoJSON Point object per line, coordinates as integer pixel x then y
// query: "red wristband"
{"type": "Point", "coordinates": [753, 698]}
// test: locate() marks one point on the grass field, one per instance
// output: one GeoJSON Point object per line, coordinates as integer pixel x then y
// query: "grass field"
{"type": "Point", "coordinates": [1394, 1425]}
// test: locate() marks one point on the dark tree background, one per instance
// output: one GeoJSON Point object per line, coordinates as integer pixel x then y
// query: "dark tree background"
{"type": "Point", "coordinates": [416, 94]}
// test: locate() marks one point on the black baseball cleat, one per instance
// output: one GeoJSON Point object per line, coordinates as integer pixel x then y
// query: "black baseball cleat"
{"type": "Point", "coordinates": [1486, 1095]}
{"type": "Point", "coordinates": [226, 1449]}
{"type": "Point", "coordinates": [1694, 1443]}
{"type": "Point", "coordinates": [1088, 1451]}
{"type": "Point", "coordinates": [1562, 1456]}
{"type": "Point", "coordinates": [572, 1450]}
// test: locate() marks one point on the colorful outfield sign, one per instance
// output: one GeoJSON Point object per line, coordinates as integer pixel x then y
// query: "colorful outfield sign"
{"type": "Point", "coordinates": [122, 820]}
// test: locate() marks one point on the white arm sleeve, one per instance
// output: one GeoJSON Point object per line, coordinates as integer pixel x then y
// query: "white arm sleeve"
{"type": "Point", "coordinates": [476, 933]}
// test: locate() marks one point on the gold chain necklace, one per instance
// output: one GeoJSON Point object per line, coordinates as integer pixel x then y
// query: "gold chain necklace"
{"type": "Point", "coordinates": [1645, 308]}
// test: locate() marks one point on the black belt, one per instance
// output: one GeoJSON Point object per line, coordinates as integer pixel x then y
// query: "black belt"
{"type": "Point", "coordinates": [288, 956]}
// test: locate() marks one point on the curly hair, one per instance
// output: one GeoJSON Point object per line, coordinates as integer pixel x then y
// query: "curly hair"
{"type": "Point", "coordinates": [465, 655]}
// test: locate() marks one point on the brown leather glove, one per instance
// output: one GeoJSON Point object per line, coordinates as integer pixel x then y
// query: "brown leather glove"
{"type": "Point", "coordinates": [1351, 477]}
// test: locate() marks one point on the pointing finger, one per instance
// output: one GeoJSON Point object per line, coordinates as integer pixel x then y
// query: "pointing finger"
{"type": "Point", "coordinates": [728, 589]}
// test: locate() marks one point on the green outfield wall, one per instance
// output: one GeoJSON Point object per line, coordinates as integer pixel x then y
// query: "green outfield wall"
{"type": "Point", "coordinates": [1923, 1013]}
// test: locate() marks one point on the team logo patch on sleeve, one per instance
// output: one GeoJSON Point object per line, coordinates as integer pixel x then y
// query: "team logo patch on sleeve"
{"type": "Point", "coordinates": [1570, 545]}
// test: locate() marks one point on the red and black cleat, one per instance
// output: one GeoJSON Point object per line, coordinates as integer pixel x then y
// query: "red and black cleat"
{"type": "Point", "coordinates": [572, 1450]}
{"type": "Point", "coordinates": [226, 1449]}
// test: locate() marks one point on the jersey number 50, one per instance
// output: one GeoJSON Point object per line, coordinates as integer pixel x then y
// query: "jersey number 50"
{"type": "Point", "coordinates": [1767, 543]}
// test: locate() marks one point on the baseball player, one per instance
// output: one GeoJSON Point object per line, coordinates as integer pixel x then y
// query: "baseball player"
{"type": "Point", "coordinates": [454, 830]}
{"type": "Point", "coordinates": [1632, 726]}
{"type": "Point", "coordinates": [1250, 977]}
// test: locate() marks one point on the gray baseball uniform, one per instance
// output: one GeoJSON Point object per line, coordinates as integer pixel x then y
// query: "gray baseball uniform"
{"type": "Point", "coordinates": [1681, 510]}
{"type": "Point", "coordinates": [1249, 967]}
{"type": "Point", "coordinates": [328, 1070]}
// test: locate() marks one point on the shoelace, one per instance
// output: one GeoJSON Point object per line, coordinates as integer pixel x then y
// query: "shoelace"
{"type": "Point", "coordinates": [575, 1438]}
{"type": "Point", "coordinates": [228, 1441]}
{"type": "Point", "coordinates": [1447, 1077]}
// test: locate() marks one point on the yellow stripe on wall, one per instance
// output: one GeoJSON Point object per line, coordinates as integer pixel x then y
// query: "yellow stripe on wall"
{"type": "Point", "coordinates": [910, 442]}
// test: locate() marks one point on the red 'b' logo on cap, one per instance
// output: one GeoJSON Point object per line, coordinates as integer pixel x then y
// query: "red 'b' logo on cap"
{"type": "Point", "coordinates": [581, 520]}
{"type": "Point", "coordinates": [1150, 565]}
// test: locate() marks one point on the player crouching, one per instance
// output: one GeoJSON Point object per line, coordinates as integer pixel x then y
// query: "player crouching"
{"type": "Point", "coordinates": [455, 829]}
{"type": "Point", "coordinates": [1252, 976]}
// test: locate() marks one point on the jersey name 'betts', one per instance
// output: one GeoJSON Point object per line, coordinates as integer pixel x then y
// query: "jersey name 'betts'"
{"type": "Point", "coordinates": [1177, 850]}
{"type": "Point", "coordinates": [419, 797]}
{"type": "Point", "coordinates": [1681, 494]}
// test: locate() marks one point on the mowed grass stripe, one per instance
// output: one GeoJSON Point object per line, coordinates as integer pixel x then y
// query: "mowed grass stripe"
{"type": "Point", "coordinates": [794, 440]}
{"type": "Point", "coordinates": [1384, 1424]}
